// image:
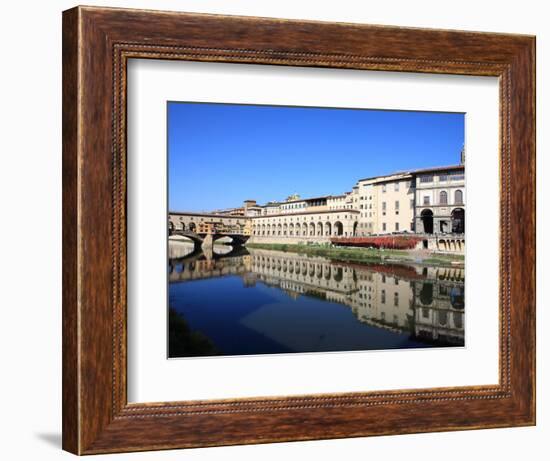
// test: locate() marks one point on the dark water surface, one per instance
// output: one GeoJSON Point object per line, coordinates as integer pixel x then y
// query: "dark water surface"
{"type": "Point", "coordinates": [267, 302]}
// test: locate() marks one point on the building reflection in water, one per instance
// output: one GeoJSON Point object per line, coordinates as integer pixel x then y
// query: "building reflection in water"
{"type": "Point", "coordinates": [427, 303]}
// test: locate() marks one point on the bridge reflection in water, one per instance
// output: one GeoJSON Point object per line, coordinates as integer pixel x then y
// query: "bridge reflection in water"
{"type": "Point", "coordinates": [238, 301]}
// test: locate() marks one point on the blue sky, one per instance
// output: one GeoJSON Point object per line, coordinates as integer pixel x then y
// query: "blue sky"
{"type": "Point", "coordinates": [222, 154]}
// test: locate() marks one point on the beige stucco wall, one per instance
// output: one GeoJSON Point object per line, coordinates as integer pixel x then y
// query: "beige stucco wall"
{"type": "Point", "coordinates": [320, 225]}
{"type": "Point", "coordinates": [398, 214]}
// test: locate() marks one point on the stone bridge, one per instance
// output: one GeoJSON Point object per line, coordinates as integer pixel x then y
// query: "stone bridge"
{"type": "Point", "coordinates": [203, 239]}
{"type": "Point", "coordinates": [203, 229]}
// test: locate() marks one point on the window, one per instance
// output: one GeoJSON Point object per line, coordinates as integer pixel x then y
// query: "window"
{"type": "Point", "coordinates": [457, 177]}
{"type": "Point", "coordinates": [396, 226]}
{"type": "Point", "coordinates": [396, 187]}
{"type": "Point", "coordinates": [443, 177]}
{"type": "Point", "coordinates": [397, 205]}
{"type": "Point", "coordinates": [443, 197]}
{"type": "Point", "coordinates": [426, 178]}
{"type": "Point", "coordinates": [383, 226]}
{"type": "Point", "coordinates": [383, 297]}
{"type": "Point", "coordinates": [383, 188]}
{"type": "Point", "coordinates": [396, 299]}
{"type": "Point", "coordinates": [412, 203]}
{"type": "Point", "coordinates": [383, 206]}
{"type": "Point", "coordinates": [458, 196]}
{"type": "Point", "coordinates": [426, 200]}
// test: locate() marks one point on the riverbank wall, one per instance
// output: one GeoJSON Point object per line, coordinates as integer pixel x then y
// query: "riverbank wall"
{"type": "Point", "coordinates": [366, 255]}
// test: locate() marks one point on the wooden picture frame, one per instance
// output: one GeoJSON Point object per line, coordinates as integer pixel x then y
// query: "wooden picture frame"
{"type": "Point", "coordinates": [97, 43]}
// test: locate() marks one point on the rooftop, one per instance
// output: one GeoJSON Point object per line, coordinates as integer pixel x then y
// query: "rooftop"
{"type": "Point", "coordinates": [292, 215]}
{"type": "Point", "coordinates": [401, 174]}
{"type": "Point", "coordinates": [205, 214]}
{"type": "Point", "coordinates": [306, 199]}
{"type": "Point", "coordinates": [438, 168]}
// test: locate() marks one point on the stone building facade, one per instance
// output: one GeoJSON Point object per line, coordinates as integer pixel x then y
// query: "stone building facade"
{"type": "Point", "coordinates": [306, 226]}
{"type": "Point", "coordinates": [440, 201]}
{"type": "Point", "coordinates": [385, 204]}
{"type": "Point", "coordinates": [429, 202]}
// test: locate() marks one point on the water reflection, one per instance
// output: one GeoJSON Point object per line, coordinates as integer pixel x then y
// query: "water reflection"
{"type": "Point", "coordinates": [262, 301]}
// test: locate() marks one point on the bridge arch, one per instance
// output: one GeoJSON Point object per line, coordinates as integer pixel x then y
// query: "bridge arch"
{"type": "Point", "coordinates": [457, 320]}
{"type": "Point", "coordinates": [319, 271]}
{"type": "Point", "coordinates": [457, 298]}
{"type": "Point", "coordinates": [426, 293]}
{"type": "Point", "coordinates": [458, 221]}
{"type": "Point", "coordinates": [442, 317]}
{"type": "Point", "coordinates": [427, 217]}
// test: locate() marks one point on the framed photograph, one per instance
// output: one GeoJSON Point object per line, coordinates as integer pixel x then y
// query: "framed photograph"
{"type": "Point", "coordinates": [282, 230]}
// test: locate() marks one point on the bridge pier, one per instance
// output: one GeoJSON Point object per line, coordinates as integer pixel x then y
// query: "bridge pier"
{"type": "Point", "coordinates": [207, 242]}
{"type": "Point", "coordinates": [207, 247]}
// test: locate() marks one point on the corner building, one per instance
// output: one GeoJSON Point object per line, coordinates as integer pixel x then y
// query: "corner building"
{"type": "Point", "coordinates": [440, 200]}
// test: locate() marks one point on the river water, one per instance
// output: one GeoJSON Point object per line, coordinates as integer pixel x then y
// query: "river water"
{"type": "Point", "coordinates": [240, 301]}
